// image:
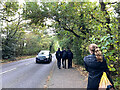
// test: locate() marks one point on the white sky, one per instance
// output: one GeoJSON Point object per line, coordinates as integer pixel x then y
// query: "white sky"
{"type": "Point", "coordinates": [22, 1]}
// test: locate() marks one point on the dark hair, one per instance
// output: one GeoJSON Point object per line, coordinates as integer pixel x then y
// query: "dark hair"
{"type": "Point", "coordinates": [95, 50]}
{"type": "Point", "coordinates": [58, 49]}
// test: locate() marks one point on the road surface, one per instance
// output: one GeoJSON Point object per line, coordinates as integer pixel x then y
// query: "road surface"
{"type": "Point", "coordinates": [25, 74]}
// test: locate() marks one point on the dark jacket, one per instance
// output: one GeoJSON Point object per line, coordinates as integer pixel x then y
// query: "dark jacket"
{"type": "Point", "coordinates": [58, 54]}
{"type": "Point", "coordinates": [69, 54]}
{"type": "Point", "coordinates": [64, 54]}
{"type": "Point", "coordinates": [95, 70]}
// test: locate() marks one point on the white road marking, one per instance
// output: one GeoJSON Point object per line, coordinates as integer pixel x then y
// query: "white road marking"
{"type": "Point", "coordinates": [28, 63]}
{"type": "Point", "coordinates": [8, 71]}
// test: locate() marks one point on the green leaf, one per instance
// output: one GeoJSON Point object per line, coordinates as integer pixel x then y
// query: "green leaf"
{"type": "Point", "coordinates": [112, 69]}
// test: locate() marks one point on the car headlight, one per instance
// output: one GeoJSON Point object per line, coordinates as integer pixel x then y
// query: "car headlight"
{"type": "Point", "coordinates": [47, 56]}
{"type": "Point", "coordinates": [37, 56]}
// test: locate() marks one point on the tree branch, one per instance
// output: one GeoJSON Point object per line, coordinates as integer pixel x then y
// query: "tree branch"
{"type": "Point", "coordinates": [96, 19]}
{"type": "Point", "coordinates": [10, 20]}
{"type": "Point", "coordinates": [112, 3]}
{"type": "Point", "coordinates": [70, 30]}
{"type": "Point", "coordinates": [16, 28]}
{"type": "Point", "coordinates": [103, 5]}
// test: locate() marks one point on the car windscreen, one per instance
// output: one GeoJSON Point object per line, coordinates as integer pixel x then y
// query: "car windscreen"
{"type": "Point", "coordinates": [43, 53]}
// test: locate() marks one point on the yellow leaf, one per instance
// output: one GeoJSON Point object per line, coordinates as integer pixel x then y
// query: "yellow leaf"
{"type": "Point", "coordinates": [117, 58]}
{"type": "Point", "coordinates": [81, 28]}
{"type": "Point", "coordinates": [111, 65]}
{"type": "Point", "coordinates": [116, 35]}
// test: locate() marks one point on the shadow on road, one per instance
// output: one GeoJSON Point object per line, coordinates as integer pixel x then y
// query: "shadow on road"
{"type": "Point", "coordinates": [43, 63]}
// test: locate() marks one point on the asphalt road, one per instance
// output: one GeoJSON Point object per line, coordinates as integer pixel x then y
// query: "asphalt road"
{"type": "Point", "coordinates": [25, 74]}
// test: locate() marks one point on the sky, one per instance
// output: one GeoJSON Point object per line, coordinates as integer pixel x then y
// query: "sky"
{"type": "Point", "coordinates": [22, 1]}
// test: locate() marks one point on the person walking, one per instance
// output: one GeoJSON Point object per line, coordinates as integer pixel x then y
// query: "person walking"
{"type": "Point", "coordinates": [70, 57]}
{"type": "Point", "coordinates": [95, 64]}
{"type": "Point", "coordinates": [58, 56]}
{"type": "Point", "coordinates": [64, 57]}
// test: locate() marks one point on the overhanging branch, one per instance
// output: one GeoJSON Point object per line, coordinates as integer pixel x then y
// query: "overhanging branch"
{"type": "Point", "coordinates": [70, 30]}
{"type": "Point", "coordinates": [10, 20]}
{"type": "Point", "coordinates": [96, 19]}
{"type": "Point", "coordinates": [111, 2]}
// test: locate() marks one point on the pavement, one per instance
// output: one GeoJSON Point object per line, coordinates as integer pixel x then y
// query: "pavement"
{"type": "Point", "coordinates": [66, 78]}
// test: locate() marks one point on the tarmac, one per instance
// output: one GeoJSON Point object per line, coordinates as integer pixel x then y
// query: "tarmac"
{"type": "Point", "coordinates": [66, 78]}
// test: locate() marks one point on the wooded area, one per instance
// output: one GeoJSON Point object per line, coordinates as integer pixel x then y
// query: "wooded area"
{"type": "Point", "coordinates": [75, 25]}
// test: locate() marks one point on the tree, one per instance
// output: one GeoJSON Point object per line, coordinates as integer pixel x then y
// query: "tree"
{"type": "Point", "coordinates": [80, 24]}
{"type": "Point", "coordinates": [8, 11]}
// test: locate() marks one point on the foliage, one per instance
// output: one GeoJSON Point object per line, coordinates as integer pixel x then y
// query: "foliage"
{"type": "Point", "coordinates": [76, 25]}
{"type": "Point", "coordinates": [79, 24]}
{"type": "Point", "coordinates": [34, 43]}
{"type": "Point", "coordinates": [20, 38]}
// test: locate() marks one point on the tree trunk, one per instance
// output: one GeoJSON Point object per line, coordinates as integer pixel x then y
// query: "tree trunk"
{"type": "Point", "coordinates": [103, 8]}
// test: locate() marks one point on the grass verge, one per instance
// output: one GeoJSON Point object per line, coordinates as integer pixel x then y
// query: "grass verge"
{"type": "Point", "coordinates": [3, 61]}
